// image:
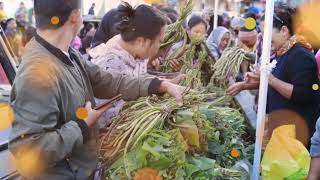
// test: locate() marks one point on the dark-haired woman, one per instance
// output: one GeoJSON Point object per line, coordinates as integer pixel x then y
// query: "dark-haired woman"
{"type": "Point", "coordinates": [107, 29]}
{"type": "Point", "coordinates": [141, 33]}
{"type": "Point", "coordinates": [290, 82]}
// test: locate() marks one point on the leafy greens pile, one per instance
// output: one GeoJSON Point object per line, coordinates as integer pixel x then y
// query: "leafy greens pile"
{"type": "Point", "coordinates": [192, 141]}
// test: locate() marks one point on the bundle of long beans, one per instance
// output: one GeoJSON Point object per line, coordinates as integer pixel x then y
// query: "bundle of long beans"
{"type": "Point", "coordinates": [137, 119]}
{"type": "Point", "coordinates": [228, 65]}
{"type": "Point", "coordinates": [175, 32]}
{"type": "Point", "coordinates": [193, 62]}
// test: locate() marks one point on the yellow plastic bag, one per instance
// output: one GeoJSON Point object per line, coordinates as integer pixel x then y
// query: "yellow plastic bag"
{"type": "Point", "coordinates": [285, 158]}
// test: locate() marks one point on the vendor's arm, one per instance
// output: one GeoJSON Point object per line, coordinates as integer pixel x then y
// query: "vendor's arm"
{"type": "Point", "coordinates": [301, 70]}
{"type": "Point", "coordinates": [37, 124]}
{"type": "Point", "coordinates": [285, 89]}
{"type": "Point", "coordinates": [237, 87]}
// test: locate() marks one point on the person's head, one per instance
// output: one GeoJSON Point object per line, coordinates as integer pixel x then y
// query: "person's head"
{"type": "Point", "coordinates": [22, 4]}
{"type": "Point", "coordinates": [86, 42]}
{"type": "Point", "coordinates": [21, 17]}
{"type": "Point", "coordinates": [1, 5]}
{"type": "Point", "coordinates": [93, 5]}
{"type": "Point", "coordinates": [220, 37]}
{"type": "Point", "coordinates": [248, 37]}
{"type": "Point", "coordinates": [143, 28]}
{"type": "Point", "coordinates": [89, 26]}
{"type": "Point", "coordinates": [236, 24]}
{"type": "Point", "coordinates": [169, 10]}
{"type": "Point", "coordinates": [11, 24]}
{"type": "Point", "coordinates": [283, 25]}
{"type": "Point", "coordinates": [53, 15]}
{"type": "Point", "coordinates": [173, 17]}
{"type": "Point", "coordinates": [196, 26]}
{"type": "Point", "coordinates": [207, 13]}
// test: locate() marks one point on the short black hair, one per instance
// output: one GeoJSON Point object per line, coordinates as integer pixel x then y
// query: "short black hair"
{"type": "Point", "coordinates": [173, 17]}
{"type": "Point", "coordinates": [144, 21]}
{"type": "Point", "coordinates": [284, 16]}
{"type": "Point", "coordinates": [195, 20]}
{"type": "Point", "coordinates": [45, 10]}
{"type": "Point", "coordinates": [169, 10]}
{"type": "Point", "coordinates": [249, 15]}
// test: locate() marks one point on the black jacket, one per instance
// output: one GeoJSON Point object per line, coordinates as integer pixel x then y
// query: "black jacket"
{"type": "Point", "coordinates": [298, 67]}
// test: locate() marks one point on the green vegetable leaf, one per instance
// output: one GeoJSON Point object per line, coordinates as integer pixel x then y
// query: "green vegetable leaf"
{"type": "Point", "coordinates": [203, 163]}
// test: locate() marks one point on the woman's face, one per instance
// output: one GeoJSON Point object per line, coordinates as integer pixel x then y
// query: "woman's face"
{"type": "Point", "coordinates": [224, 41]}
{"type": "Point", "coordinates": [150, 48]}
{"type": "Point", "coordinates": [197, 30]}
{"type": "Point", "coordinates": [12, 24]}
{"type": "Point", "coordinates": [279, 37]}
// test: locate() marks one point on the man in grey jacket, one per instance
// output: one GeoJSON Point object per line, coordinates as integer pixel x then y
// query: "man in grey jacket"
{"type": "Point", "coordinates": [48, 140]}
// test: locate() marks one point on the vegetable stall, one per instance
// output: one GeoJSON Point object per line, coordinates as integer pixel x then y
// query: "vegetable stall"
{"type": "Point", "coordinates": [205, 138]}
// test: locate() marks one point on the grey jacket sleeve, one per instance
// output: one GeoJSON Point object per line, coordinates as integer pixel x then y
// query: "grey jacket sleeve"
{"type": "Point", "coordinates": [315, 141]}
{"type": "Point", "coordinates": [107, 84]}
{"type": "Point", "coordinates": [35, 102]}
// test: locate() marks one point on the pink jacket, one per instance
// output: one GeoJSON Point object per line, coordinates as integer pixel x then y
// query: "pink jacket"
{"type": "Point", "coordinates": [318, 62]}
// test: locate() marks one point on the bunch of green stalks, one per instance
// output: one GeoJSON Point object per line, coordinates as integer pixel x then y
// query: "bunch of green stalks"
{"type": "Point", "coordinates": [194, 59]}
{"type": "Point", "coordinates": [137, 119]}
{"type": "Point", "coordinates": [175, 32]}
{"type": "Point", "coordinates": [228, 65]}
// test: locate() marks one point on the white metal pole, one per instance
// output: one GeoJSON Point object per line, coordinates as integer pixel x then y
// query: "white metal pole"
{"type": "Point", "coordinates": [215, 22]}
{"type": "Point", "coordinates": [238, 5]}
{"type": "Point", "coordinates": [263, 88]}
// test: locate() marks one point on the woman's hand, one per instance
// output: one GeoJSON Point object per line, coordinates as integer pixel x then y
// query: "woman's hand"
{"type": "Point", "coordinates": [235, 88]}
{"type": "Point", "coordinates": [178, 79]}
{"type": "Point", "coordinates": [254, 75]}
{"type": "Point", "coordinates": [94, 115]}
{"type": "Point", "coordinates": [156, 64]}
{"type": "Point", "coordinates": [174, 90]}
{"type": "Point", "coordinates": [176, 64]}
